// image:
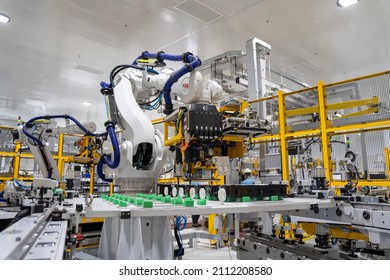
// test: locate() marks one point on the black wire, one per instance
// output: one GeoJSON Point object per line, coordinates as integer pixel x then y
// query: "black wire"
{"type": "Point", "coordinates": [352, 154]}
{"type": "Point", "coordinates": [148, 103]}
{"type": "Point", "coordinates": [119, 68]}
{"type": "Point", "coordinates": [336, 141]}
{"type": "Point", "coordinates": [310, 142]}
{"type": "Point", "coordinates": [357, 172]}
{"type": "Point", "coordinates": [251, 147]}
{"type": "Point", "coordinates": [169, 170]}
{"type": "Point", "coordinates": [20, 215]}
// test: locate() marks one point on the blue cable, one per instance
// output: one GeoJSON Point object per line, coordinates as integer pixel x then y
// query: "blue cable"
{"type": "Point", "coordinates": [106, 159]}
{"type": "Point", "coordinates": [181, 223]}
{"type": "Point", "coordinates": [152, 71]}
{"type": "Point", "coordinates": [62, 178]}
{"type": "Point", "coordinates": [48, 117]}
{"type": "Point", "coordinates": [155, 105]}
{"type": "Point", "coordinates": [192, 63]}
{"type": "Point", "coordinates": [18, 184]}
{"type": "Point", "coordinates": [179, 220]}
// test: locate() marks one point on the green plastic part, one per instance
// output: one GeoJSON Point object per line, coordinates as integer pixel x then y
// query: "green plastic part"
{"type": "Point", "coordinates": [123, 204]}
{"type": "Point", "coordinates": [280, 197]}
{"type": "Point", "coordinates": [138, 201]}
{"type": "Point", "coordinates": [246, 199]}
{"type": "Point", "coordinates": [132, 199]}
{"type": "Point", "coordinates": [177, 200]}
{"type": "Point", "coordinates": [58, 191]}
{"type": "Point", "coordinates": [116, 201]}
{"type": "Point", "coordinates": [139, 195]}
{"type": "Point", "coordinates": [147, 204]}
{"type": "Point", "coordinates": [188, 202]}
{"type": "Point", "coordinates": [167, 199]}
{"type": "Point", "coordinates": [201, 202]}
{"type": "Point", "coordinates": [274, 198]}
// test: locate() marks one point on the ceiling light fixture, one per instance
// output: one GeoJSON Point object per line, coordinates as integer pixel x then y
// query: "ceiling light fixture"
{"type": "Point", "coordinates": [4, 18]}
{"type": "Point", "coordinates": [86, 103]}
{"type": "Point", "coordinates": [346, 3]}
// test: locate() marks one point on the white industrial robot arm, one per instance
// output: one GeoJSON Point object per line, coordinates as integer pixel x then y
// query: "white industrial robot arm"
{"type": "Point", "coordinates": [34, 135]}
{"type": "Point", "coordinates": [141, 147]}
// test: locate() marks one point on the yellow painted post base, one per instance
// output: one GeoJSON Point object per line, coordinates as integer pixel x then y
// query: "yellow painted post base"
{"type": "Point", "coordinates": [211, 227]}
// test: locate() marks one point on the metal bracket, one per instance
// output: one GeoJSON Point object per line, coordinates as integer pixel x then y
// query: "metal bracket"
{"type": "Point", "coordinates": [125, 215]}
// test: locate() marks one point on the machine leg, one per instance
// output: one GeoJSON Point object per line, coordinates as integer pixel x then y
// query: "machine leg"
{"type": "Point", "coordinates": [237, 226]}
{"type": "Point", "coordinates": [136, 239]}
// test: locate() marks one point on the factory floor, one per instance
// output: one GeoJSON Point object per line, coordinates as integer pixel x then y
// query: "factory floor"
{"type": "Point", "coordinates": [205, 251]}
{"type": "Point", "coordinates": [202, 249]}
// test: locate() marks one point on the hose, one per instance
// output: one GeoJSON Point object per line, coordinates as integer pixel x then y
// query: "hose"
{"type": "Point", "coordinates": [2, 199]}
{"type": "Point", "coordinates": [352, 154]}
{"type": "Point", "coordinates": [105, 158]}
{"type": "Point", "coordinates": [180, 225]}
{"type": "Point", "coordinates": [192, 62]}
{"type": "Point", "coordinates": [21, 214]}
{"type": "Point", "coordinates": [48, 117]}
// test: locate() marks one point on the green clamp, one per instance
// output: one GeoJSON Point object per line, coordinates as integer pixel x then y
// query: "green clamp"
{"type": "Point", "coordinates": [177, 200]}
{"type": "Point", "coordinates": [147, 204]}
{"type": "Point", "coordinates": [188, 202]}
{"type": "Point", "coordinates": [138, 201]}
{"type": "Point", "coordinates": [123, 204]}
{"type": "Point", "coordinates": [201, 202]}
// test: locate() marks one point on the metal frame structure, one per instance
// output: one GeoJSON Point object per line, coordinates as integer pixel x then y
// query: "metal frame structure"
{"type": "Point", "coordinates": [326, 129]}
{"type": "Point", "coordinates": [17, 155]}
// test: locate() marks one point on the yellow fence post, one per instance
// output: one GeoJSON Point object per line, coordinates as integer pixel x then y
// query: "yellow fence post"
{"type": "Point", "coordinates": [91, 177]}
{"type": "Point", "coordinates": [326, 157]}
{"type": "Point", "coordinates": [387, 160]}
{"type": "Point", "coordinates": [111, 188]}
{"type": "Point", "coordinates": [61, 163]}
{"type": "Point", "coordinates": [16, 164]}
{"type": "Point", "coordinates": [283, 140]}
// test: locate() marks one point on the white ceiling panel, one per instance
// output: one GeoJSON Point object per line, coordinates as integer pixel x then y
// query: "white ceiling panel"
{"type": "Point", "coordinates": [55, 53]}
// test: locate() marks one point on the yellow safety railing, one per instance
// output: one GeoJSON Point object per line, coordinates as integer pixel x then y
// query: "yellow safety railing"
{"type": "Point", "coordinates": [326, 129]}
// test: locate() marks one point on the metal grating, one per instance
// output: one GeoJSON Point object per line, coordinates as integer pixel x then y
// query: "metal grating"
{"type": "Point", "coordinates": [198, 10]}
